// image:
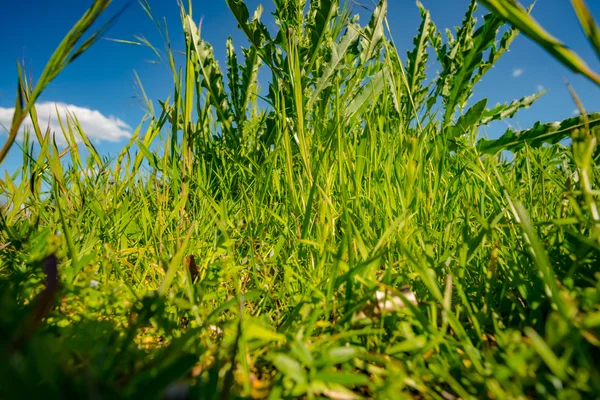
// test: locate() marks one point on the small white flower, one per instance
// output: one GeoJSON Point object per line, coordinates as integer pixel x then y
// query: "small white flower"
{"type": "Point", "coordinates": [389, 302]}
{"type": "Point", "coordinates": [215, 329]}
{"type": "Point", "coordinates": [94, 283]}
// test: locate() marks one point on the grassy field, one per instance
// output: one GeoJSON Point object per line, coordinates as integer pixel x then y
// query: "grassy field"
{"type": "Point", "coordinates": [354, 238]}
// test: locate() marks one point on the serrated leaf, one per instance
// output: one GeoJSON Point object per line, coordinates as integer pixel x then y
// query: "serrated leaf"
{"type": "Point", "coordinates": [249, 76]}
{"type": "Point", "coordinates": [256, 32]}
{"type": "Point", "coordinates": [468, 121]}
{"type": "Point", "coordinates": [209, 70]}
{"type": "Point", "coordinates": [462, 70]}
{"type": "Point", "coordinates": [366, 97]}
{"type": "Point", "coordinates": [539, 134]}
{"type": "Point", "coordinates": [495, 53]}
{"type": "Point", "coordinates": [508, 110]}
{"type": "Point", "coordinates": [324, 11]}
{"type": "Point", "coordinates": [338, 55]}
{"type": "Point", "coordinates": [417, 59]}
{"type": "Point", "coordinates": [233, 77]}
{"type": "Point", "coordinates": [373, 33]}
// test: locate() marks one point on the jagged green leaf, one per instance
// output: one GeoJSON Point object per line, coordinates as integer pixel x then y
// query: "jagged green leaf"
{"type": "Point", "coordinates": [367, 96]}
{"type": "Point", "coordinates": [417, 60]}
{"type": "Point", "coordinates": [450, 55]}
{"type": "Point", "coordinates": [233, 78]}
{"type": "Point", "coordinates": [470, 59]}
{"type": "Point", "coordinates": [338, 55]}
{"type": "Point", "coordinates": [373, 33]}
{"type": "Point", "coordinates": [249, 76]}
{"type": "Point", "coordinates": [323, 11]}
{"type": "Point", "coordinates": [256, 32]}
{"type": "Point", "coordinates": [210, 72]}
{"type": "Point", "coordinates": [508, 110]}
{"type": "Point", "coordinates": [495, 53]}
{"type": "Point", "coordinates": [467, 121]}
{"type": "Point", "coordinates": [536, 136]}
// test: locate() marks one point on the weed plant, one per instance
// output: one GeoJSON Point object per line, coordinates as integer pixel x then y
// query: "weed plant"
{"type": "Point", "coordinates": [346, 236]}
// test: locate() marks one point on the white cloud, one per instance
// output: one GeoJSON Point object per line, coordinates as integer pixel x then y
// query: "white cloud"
{"type": "Point", "coordinates": [517, 72]}
{"type": "Point", "coordinates": [575, 112]}
{"type": "Point", "coordinates": [540, 88]}
{"type": "Point", "coordinates": [96, 126]}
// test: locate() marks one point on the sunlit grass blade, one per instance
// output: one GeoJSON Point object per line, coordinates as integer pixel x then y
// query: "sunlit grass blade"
{"type": "Point", "coordinates": [588, 24]}
{"type": "Point", "coordinates": [66, 52]}
{"type": "Point", "coordinates": [515, 14]}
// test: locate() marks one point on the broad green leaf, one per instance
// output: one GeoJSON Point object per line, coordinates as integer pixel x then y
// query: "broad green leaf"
{"type": "Point", "coordinates": [541, 347]}
{"type": "Point", "coordinates": [592, 320]}
{"type": "Point", "coordinates": [150, 156]}
{"type": "Point", "coordinates": [340, 355]}
{"type": "Point", "coordinates": [255, 331]}
{"type": "Point", "coordinates": [347, 379]}
{"type": "Point", "coordinates": [290, 367]}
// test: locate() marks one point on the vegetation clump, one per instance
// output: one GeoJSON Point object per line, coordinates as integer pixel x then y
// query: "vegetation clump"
{"type": "Point", "coordinates": [348, 235]}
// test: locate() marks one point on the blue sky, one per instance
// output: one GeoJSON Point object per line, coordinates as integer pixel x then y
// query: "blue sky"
{"type": "Point", "coordinates": [100, 85]}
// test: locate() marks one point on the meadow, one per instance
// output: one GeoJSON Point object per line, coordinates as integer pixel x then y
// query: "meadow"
{"type": "Point", "coordinates": [349, 235]}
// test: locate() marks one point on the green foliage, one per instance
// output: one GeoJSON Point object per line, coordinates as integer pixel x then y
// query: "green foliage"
{"type": "Point", "coordinates": [539, 134]}
{"type": "Point", "coordinates": [351, 239]}
{"type": "Point", "coordinates": [514, 13]}
{"type": "Point", "coordinates": [65, 53]}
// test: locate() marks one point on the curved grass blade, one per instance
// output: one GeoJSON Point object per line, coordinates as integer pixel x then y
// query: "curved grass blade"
{"type": "Point", "coordinates": [589, 26]}
{"type": "Point", "coordinates": [514, 13]}
{"type": "Point", "coordinates": [65, 53]}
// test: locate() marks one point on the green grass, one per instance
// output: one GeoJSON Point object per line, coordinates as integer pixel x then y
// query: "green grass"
{"type": "Point", "coordinates": [238, 251]}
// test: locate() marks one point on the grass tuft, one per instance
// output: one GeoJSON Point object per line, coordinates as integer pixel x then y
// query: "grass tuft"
{"type": "Point", "coordinates": [350, 236]}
